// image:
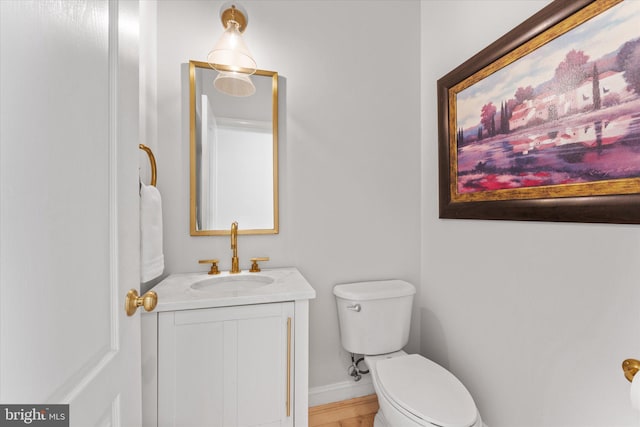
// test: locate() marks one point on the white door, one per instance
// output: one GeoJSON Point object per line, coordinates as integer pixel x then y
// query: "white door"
{"type": "Point", "coordinates": [69, 207]}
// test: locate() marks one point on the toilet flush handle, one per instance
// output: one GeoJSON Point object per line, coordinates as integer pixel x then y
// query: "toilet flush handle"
{"type": "Point", "coordinates": [354, 307]}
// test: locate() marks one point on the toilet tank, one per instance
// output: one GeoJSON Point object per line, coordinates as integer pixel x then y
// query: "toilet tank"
{"type": "Point", "coordinates": [374, 317]}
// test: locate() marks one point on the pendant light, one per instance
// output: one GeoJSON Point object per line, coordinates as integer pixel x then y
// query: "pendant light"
{"type": "Point", "coordinates": [230, 56]}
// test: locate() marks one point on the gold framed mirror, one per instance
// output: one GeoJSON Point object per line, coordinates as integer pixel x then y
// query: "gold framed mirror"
{"type": "Point", "coordinates": [233, 155]}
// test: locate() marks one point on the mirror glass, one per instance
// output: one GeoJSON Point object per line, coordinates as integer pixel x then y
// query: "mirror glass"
{"type": "Point", "coordinates": [234, 155]}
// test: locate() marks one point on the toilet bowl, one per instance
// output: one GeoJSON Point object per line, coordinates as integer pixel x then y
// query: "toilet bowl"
{"type": "Point", "coordinates": [412, 390]}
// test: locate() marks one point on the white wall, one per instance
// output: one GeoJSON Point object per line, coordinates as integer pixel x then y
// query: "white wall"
{"type": "Point", "coordinates": [148, 85]}
{"type": "Point", "coordinates": [535, 318]}
{"type": "Point", "coordinates": [349, 146]}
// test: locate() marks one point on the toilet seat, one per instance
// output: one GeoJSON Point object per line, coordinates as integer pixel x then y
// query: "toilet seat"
{"type": "Point", "coordinates": [426, 391]}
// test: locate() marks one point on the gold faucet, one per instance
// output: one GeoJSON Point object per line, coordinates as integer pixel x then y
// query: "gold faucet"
{"type": "Point", "coordinates": [235, 268]}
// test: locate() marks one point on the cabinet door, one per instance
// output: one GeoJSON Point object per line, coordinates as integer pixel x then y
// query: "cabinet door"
{"type": "Point", "coordinates": [226, 367]}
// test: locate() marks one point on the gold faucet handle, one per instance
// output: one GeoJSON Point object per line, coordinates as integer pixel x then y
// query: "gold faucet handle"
{"type": "Point", "coordinates": [255, 268]}
{"type": "Point", "coordinates": [214, 265]}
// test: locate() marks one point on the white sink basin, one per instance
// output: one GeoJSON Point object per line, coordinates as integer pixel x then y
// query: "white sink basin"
{"type": "Point", "coordinates": [232, 283]}
{"type": "Point", "coordinates": [185, 291]}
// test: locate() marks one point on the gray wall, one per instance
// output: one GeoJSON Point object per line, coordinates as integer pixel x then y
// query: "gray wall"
{"type": "Point", "coordinates": [535, 318]}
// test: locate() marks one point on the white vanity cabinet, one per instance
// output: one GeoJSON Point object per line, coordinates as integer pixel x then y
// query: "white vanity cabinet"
{"type": "Point", "coordinates": [229, 366]}
{"type": "Point", "coordinates": [209, 363]}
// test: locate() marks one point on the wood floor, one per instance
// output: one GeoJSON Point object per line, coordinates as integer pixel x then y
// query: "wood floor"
{"type": "Point", "coordinates": [358, 412]}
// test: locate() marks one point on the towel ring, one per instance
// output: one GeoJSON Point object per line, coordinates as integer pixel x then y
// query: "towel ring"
{"type": "Point", "coordinates": [152, 160]}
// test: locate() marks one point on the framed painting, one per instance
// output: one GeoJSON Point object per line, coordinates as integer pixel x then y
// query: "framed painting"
{"type": "Point", "coordinates": [544, 124]}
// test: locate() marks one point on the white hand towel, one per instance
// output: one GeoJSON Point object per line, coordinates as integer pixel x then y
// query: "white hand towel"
{"type": "Point", "coordinates": [151, 255]}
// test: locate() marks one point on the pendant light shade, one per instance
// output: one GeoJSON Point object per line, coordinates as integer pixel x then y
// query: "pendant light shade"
{"type": "Point", "coordinates": [231, 51]}
{"type": "Point", "coordinates": [234, 83]}
{"type": "Point", "coordinates": [230, 56]}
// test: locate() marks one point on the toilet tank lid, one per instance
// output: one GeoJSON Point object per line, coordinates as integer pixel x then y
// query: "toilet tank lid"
{"type": "Point", "coordinates": [380, 289]}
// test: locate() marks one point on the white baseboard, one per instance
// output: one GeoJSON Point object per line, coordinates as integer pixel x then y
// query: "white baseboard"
{"type": "Point", "coordinates": [340, 391]}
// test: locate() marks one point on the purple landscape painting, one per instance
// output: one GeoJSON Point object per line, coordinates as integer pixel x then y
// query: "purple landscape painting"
{"type": "Point", "coordinates": [566, 113]}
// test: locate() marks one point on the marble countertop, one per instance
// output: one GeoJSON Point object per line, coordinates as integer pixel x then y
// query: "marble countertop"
{"type": "Point", "coordinates": [187, 291]}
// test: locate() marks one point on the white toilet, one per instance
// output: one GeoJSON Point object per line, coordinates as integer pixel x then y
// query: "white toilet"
{"type": "Point", "coordinates": [412, 391]}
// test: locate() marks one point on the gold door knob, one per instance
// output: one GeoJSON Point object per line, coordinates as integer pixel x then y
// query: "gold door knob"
{"type": "Point", "coordinates": [133, 301]}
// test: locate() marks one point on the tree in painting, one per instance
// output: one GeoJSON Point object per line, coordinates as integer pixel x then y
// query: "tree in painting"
{"type": "Point", "coordinates": [523, 94]}
{"type": "Point", "coordinates": [629, 63]}
{"type": "Point", "coordinates": [597, 101]}
{"type": "Point", "coordinates": [570, 72]}
{"type": "Point", "coordinates": [487, 118]}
